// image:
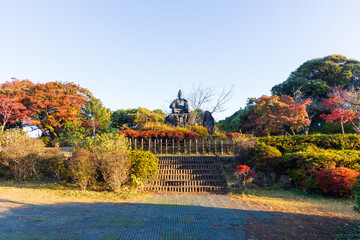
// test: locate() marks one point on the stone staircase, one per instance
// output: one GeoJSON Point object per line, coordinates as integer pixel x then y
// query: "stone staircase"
{"type": "Point", "coordinates": [188, 174]}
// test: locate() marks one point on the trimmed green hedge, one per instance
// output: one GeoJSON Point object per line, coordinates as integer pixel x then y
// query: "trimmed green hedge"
{"type": "Point", "coordinates": [333, 141]}
{"type": "Point", "coordinates": [302, 156]}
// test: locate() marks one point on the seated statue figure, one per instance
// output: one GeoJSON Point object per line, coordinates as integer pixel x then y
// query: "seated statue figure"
{"type": "Point", "coordinates": [179, 105]}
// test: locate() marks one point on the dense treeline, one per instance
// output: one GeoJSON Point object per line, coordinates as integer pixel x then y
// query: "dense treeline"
{"type": "Point", "coordinates": [327, 88]}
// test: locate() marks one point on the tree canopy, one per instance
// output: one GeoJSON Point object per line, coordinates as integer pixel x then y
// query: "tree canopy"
{"type": "Point", "coordinates": [316, 77]}
{"type": "Point", "coordinates": [136, 117]}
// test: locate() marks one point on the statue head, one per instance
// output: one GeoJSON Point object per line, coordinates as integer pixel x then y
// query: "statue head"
{"type": "Point", "coordinates": [180, 94]}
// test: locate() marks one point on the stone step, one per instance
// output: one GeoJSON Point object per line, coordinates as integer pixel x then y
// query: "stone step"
{"type": "Point", "coordinates": [185, 157]}
{"type": "Point", "coordinates": [187, 171]}
{"type": "Point", "coordinates": [184, 161]}
{"type": "Point", "coordinates": [189, 183]}
{"type": "Point", "coordinates": [191, 177]}
{"type": "Point", "coordinates": [189, 166]}
{"type": "Point", "coordinates": [185, 189]}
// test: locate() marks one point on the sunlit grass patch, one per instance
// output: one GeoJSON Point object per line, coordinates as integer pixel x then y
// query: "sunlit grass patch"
{"type": "Point", "coordinates": [297, 202]}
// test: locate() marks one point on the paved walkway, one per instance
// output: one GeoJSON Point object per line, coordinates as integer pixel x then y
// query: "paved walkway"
{"type": "Point", "coordinates": [201, 217]}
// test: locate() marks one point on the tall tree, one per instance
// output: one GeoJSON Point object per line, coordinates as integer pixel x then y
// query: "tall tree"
{"type": "Point", "coordinates": [316, 77]}
{"type": "Point", "coordinates": [279, 114]}
{"type": "Point", "coordinates": [15, 103]}
{"type": "Point", "coordinates": [94, 115]}
{"type": "Point", "coordinates": [54, 104]}
{"type": "Point", "coordinates": [11, 110]}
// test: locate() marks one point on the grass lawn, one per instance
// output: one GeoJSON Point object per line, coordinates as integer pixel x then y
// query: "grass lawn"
{"type": "Point", "coordinates": [37, 192]}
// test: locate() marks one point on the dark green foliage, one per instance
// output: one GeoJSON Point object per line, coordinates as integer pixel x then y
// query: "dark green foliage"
{"type": "Point", "coordinates": [266, 157]}
{"type": "Point", "coordinates": [241, 121]}
{"type": "Point", "coordinates": [334, 141]}
{"type": "Point", "coordinates": [144, 166]}
{"type": "Point", "coordinates": [356, 189]}
{"type": "Point", "coordinates": [316, 77]}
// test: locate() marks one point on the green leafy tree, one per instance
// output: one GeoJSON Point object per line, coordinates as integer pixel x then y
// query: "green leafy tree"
{"type": "Point", "coordinates": [242, 120]}
{"type": "Point", "coordinates": [136, 118]}
{"type": "Point", "coordinates": [95, 116]}
{"type": "Point", "coordinates": [316, 77]}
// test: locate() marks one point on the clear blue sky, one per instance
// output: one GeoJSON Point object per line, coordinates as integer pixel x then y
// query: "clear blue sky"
{"type": "Point", "coordinates": [140, 53]}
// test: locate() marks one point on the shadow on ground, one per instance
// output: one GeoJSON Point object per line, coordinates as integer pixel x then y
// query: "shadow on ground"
{"type": "Point", "coordinates": [161, 217]}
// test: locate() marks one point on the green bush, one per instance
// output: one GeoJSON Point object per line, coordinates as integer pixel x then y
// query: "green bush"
{"type": "Point", "coordinates": [322, 159]}
{"type": "Point", "coordinates": [266, 157]}
{"type": "Point", "coordinates": [201, 130]}
{"type": "Point", "coordinates": [304, 179]}
{"type": "Point", "coordinates": [333, 141]}
{"type": "Point", "coordinates": [144, 166]}
{"type": "Point", "coordinates": [20, 154]}
{"type": "Point", "coordinates": [110, 152]}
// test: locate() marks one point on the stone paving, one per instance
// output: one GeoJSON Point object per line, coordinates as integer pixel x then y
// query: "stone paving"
{"type": "Point", "coordinates": [163, 217]}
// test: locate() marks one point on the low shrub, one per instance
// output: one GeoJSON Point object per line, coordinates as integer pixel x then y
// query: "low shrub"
{"type": "Point", "coordinates": [244, 147]}
{"type": "Point", "coordinates": [201, 130]}
{"type": "Point", "coordinates": [324, 141]}
{"type": "Point", "coordinates": [110, 151]}
{"type": "Point", "coordinates": [304, 179]}
{"type": "Point", "coordinates": [82, 167]}
{"type": "Point", "coordinates": [337, 181]}
{"type": "Point", "coordinates": [232, 135]}
{"type": "Point", "coordinates": [129, 133]}
{"type": "Point", "coordinates": [321, 158]}
{"type": "Point", "coordinates": [266, 157]}
{"type": "Point", "coordinates": [20, 154]}
{"type": "Point", "coordinates": [144, 166]}
{"type": "Point", "coordinates": [53, 164]}
{"type": "Point", "coordinates": [243, 174]}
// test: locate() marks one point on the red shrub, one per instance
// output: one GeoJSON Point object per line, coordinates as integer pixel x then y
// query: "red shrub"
{"type": "Point", "coordinates": [242, 168]}
{"type": "Point", "coordinates": [191, 135]}
{"type": "Point", "coordinates": [162, 134]}
{"type": "Point", "coordinates": [231, 135]}
{"type": "Point", "coordinates": [173, 134]}
{"type": "Point", "coordinates": [129, 133]}
{"type": "Point", "coordinates": [145, 134]}
{"type": "Point", "coordinates": [337, 181]}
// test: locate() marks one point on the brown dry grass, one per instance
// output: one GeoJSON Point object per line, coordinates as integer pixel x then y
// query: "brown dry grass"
{"type": "Point", "coordinates": [52, 193]}
{"type": "Point", "coordinates": [295, 203]}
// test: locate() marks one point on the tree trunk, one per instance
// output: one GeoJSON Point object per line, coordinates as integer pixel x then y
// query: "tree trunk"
{"type": "Point", "coordinates": [342, 125]}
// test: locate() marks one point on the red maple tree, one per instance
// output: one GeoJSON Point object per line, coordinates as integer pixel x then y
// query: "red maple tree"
{"type": "Point", "coordinates": [276, 114]}
{"type": "Point", "coordinates": [340, 104]}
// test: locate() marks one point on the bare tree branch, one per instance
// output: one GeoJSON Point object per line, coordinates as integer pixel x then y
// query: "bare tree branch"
{"type": "Point", "coordinates": [224, 97]}
{"type": "Point", "coordinates": [199, 96]}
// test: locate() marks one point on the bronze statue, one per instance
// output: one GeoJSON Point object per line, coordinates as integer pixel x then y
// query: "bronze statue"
{"type": "Point", "coordinates": [180, 115]}
{"type": "Point", "coordinates": [179, 105]}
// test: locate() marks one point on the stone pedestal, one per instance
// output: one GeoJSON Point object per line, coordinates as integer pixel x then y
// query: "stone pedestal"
{"type": "Point", "coordinates": [180, 119]}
